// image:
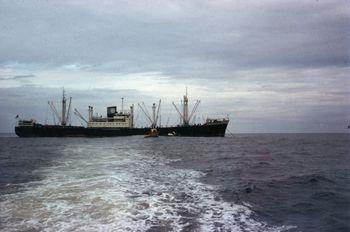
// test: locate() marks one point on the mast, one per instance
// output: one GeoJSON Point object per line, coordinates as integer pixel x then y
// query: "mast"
{"type": "Point", "coordinates": [185, 110]}
{"type": "Point", "coordinates": [91, 112]}
{"type": "Point", "coordinates": [63, 117]}
{"type": "Point", "coordinates": [185, 117]}
{"type": "Point", "coordinates": [122, 104]}
{"type": "Point", "coordinates": [154, 115]}
{"type": "Point", "coordinates": [132, 116]}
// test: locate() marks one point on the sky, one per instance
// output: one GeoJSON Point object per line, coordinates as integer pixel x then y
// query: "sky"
{"type": "Point", "coordinates": [271, 66]}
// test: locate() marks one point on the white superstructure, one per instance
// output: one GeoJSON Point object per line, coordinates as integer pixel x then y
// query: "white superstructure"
{"type": "Point", "coordinates": [114, 119]}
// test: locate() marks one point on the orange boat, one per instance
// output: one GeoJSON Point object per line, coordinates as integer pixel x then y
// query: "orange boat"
{"type": "Point", "coordinates": [152, 133]}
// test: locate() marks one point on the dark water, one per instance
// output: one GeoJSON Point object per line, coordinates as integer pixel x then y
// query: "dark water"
{"type": "Point", "coordinates": [258, 182]}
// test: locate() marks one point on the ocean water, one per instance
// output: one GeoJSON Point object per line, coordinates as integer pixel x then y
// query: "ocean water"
{"type": "Point", "coordinates": [248, 182]}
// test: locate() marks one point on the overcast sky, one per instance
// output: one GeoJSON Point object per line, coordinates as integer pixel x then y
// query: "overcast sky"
{"type": "Point", "coordinates": [272, 66]}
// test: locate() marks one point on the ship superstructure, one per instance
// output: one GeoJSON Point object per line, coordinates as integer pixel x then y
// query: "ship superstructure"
{"type": "Point", "coordinates": [114, 119]}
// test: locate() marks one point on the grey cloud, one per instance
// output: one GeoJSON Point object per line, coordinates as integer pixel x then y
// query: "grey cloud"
{"type": "Point", "coordinates": [15, 77]}
{"type": "Point", "coordinates": [299, 112]}
{"type": "Point", "coordinates": [290, 60]}
{"type": "Point", "coordinates": [142, 37]}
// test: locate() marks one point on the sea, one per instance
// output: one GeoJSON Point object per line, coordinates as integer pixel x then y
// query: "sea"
{"type": "Point", "coordinates": [243, 182]}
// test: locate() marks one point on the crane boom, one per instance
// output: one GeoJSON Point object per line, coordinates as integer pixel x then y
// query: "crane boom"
{"type": "Point", "coordinates": [146, 111]}
{"type": "Point", "coordinates": [178, 111]}
{"type": "Point", "coordinates": [77, 113]}
{"type": "Point", "coordinates": [68, 111]}
{"type": "Point", "coordinates": [157, 112]}
{"type": "Point", "coordinates": [53, 108]}
{"type": "Point", "coordinates": [194, 110]}
{"type": "Point", "coordinates": [147, 115]}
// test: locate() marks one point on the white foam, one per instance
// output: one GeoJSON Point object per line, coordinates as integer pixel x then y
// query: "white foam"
{"type": "Point", "coordinates": [94, 189]}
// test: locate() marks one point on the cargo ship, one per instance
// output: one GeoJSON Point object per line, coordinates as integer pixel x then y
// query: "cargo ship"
{"type": "Point", "coordinates": [120, 123]}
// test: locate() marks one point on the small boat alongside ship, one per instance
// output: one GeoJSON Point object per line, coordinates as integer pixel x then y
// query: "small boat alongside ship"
{"type": "Point", "coordinates": [152, 133]}
{"type": "Point", "coordinates": [121, 123]}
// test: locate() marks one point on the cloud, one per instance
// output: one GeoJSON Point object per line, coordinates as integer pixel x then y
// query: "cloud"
{"type": "Point", "coordinates": [258, 61]}
{"type": "Point", "coordinates": [176, 37]}
{"type": "Point", "coordinates": [16, 77]}
{"type": "Point", "coordinates": [299, 102]}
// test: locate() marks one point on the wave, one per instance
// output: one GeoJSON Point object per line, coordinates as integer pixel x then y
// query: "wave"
{"type": "Point", "coordinates": [102, 189]}
{"type": "Point", "coordinates": [310, 178]}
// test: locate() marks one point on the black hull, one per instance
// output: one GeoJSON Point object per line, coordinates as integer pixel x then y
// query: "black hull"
{"type": "Point", "coordinates": [38, 130]}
